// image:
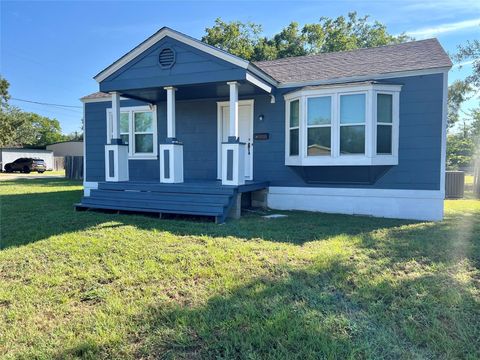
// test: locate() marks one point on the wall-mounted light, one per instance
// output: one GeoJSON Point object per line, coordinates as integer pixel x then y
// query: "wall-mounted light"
{"type": "Point", "coordinates": [261, 117]}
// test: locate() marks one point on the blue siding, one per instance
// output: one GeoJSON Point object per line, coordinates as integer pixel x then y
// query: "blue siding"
{"type": "Point", "coordinates": [196, 124]}
{"type": "Point", "coordinates": [96, 138]}
{"type": "Point", "coordinates": [192, 66]}
{"type": "Point", "coordinates": [419, 143]}
{"type": "Point", "coordinates": [419, 151]}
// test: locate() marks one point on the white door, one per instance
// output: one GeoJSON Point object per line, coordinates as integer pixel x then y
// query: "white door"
{"type": "Point", "coordinates": [245, 123]}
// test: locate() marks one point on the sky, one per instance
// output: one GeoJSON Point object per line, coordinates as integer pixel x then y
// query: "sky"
{"type": "Point", "coordinates": [50, 51]}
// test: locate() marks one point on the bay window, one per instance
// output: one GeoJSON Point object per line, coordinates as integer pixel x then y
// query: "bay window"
{"type": "Point", "coordinates": [294, 116]}
{"type": "Point", "coordinates": [319, 126]}
{"type": "Point", "coordinates": [138, 130]}
{"type": "Point", "coordinates": [351, 124]}
{"type": "Point", "coordinates": [384, 123]}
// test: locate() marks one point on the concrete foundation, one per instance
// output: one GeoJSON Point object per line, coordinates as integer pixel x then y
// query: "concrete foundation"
{"type": "Point", "coordinates": [236, 210]}
{"type": "Point", "coordinates": [259, 198]}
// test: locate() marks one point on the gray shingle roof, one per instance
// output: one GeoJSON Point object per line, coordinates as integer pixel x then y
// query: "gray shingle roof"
{"type": "Point", "coordinates": [96, 95]}
{"type": "Point", "coordinates": [326, 67]}
{"type": "Point", "coordinates": [415, 55]}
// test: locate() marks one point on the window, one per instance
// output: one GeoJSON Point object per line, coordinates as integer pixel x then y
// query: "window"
{"type": "Point", "coordinates": [384, 123]}
{"type": "Point", "coordinates": [124, 128]}
{"type": "Point", "coordinates": [353, 124]}
{"type": "Point", "coordinates": [319, 126]}
{"type": "Point", "coordinates": [143, 132]}
{"type": "Point", "coordinates": [138, 129]}
{"type": "Point", "coordinates": [294, 127]}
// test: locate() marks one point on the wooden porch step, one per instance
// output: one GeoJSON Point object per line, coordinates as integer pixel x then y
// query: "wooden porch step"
{"type": "Point", "coordinates": [162, 197]}
{"type": "Point", "coordinates": [188, 188]}
{"type": "Point", "coordinates": [83, 206]}
{"type": "Point", "coordinates": [159, 206]}
{"type": "Point", "coordinates": [207, 198]}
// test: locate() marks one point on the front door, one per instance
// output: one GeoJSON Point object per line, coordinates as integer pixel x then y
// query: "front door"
{"type": "Point", "coordinates": [245, 123]}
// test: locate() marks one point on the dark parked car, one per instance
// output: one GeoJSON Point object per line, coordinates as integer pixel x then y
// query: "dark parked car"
{"type": "Point", "coordinates": [26, 165]}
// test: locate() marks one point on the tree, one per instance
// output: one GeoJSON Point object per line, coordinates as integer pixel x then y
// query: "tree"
{"type": "Point", "coordinates": [46, 130]}
{"type": "Point", "coordinates": [470, 52]}
{"type": "Point", "coordinates": [4, 95]}
{"type": "Point", "coordinates": [15, 129]}
{"type": "Point", "coordinates": [235, 37]}
{"type": "Point", "coordinates": [348, 33]}
{"type": "Point", "coordinates": [458, 92]}
{"type": "Point", "coordinates": [460, 151]}
{"type": "Point", "coordinates": [342, 33]}
{"type": "Point", "coordinates": [290, 42]}
{"type": "Point", "coordinates": [18, 128]}
{"type": "Point", "coordinates": [13, 125]}
{"type": "Point", "coordinates": [475, 123]}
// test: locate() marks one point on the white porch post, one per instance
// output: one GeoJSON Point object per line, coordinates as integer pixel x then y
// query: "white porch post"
{"type": "Point", "coordinates": [170, 111]}
{"type": "Point", "coordinates": [115, 115]}
{"type": "Point", "coordinates": [233, 131]}
{"type": "Point", "coordinates": [233, 151]}
{"type": "Point", "coordinates": [171, 152]}
{"type": "Point", "coordinates": [116, 153]}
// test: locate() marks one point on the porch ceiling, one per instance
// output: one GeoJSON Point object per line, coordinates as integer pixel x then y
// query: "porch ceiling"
{"type": "Point", "coordinates": [189, 92]}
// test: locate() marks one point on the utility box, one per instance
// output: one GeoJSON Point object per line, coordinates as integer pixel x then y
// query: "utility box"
{"type": "Point", "coordinates": [454, 184]}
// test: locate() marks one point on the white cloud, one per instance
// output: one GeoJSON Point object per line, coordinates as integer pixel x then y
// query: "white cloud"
{"type": "Point", "coordinates": [443, 5]}
{"type": "Point", "coordinates": [465, 63]}
{"type": "Point", "coordinates": [433, 31]}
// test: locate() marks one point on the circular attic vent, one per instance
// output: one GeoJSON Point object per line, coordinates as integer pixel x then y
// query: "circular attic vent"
{"type": "Point", "coordinates": [166, 59]}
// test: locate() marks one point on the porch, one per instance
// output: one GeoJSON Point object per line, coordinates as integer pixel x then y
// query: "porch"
{"type": "Point", "coordinates": [191, 197]}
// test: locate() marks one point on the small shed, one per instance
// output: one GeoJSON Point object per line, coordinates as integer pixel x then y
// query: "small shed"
{"type": "Point", "coordinates": [8, 155]}
{"type": "Point", "coordinates": [66, 148]}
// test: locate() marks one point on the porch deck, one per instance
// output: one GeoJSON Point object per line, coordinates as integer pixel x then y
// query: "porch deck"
{"type": "Point", "coordinates": [194, 197]}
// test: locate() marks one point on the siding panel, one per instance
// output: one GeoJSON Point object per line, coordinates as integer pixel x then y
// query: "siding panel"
{"type": "Point", "coordinates": [192, 66]}
{"type": "Point", "coordinates": [419, 153]}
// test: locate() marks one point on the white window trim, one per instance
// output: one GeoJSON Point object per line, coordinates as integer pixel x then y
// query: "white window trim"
{"type": "Point", "coordinates": [131, 143]}
{"type": "Point", "coordinates": [365, 124]}
{"type": "Point", "coordinates": [336, 159]}
{"type": "Point", "coordinates": [331, 125]}
{"type": "Point", "coordinates": [220, 106]}
{"type": "Point", "coordinates": [394, 124]}
{"type": "Point", "coordinates": [289, 128]}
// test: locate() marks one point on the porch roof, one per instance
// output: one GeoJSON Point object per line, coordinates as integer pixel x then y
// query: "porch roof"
{"type": "Point", "coordinates": [184, 92]}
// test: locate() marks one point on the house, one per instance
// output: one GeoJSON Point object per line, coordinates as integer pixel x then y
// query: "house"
{"type": "Point", "coordinates": [8, 155]}
{"type": "Point", "coordinates": [179, 126]}
{"type": "Point", "coordinates": [66, 148]}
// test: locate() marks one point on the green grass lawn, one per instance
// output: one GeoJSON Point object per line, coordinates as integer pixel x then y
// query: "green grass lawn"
{"type": "Point", "coordinates": [5, 175]}
{"type": "Point", "coordinates": [95, 285]}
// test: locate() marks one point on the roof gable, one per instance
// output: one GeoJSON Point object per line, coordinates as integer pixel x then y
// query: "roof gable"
{"type": "Point", "coordinates": [157, 37]}
{"type": "Point", "coordinates": [189, 66]}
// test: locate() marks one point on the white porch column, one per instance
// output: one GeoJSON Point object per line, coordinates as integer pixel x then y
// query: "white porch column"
{"type": "Point", "coordinates": [233, 131]}
{"type": "Point", "coordinates": [115, 115]}
{"type": "Point", "coordinates": [171, 152]}
{"type": "Point", "coordinates": [233, 151]}
{"type": "Point", "coordinates": [170, 111]}
{"type": "Point", "coordinates": [116, 153]}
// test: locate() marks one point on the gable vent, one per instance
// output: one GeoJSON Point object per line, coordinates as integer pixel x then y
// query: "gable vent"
{"type": "Point", "coordinates": [166, 58]}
